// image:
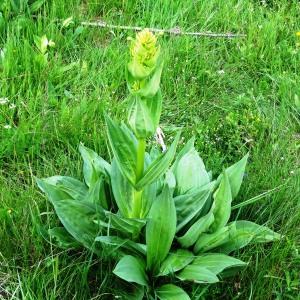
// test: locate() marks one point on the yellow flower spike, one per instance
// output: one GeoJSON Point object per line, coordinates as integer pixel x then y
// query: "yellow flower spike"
{"type": "Point", "coordinates": [298, 33]}
{"type": "Point", "coordinates": [144, 52]}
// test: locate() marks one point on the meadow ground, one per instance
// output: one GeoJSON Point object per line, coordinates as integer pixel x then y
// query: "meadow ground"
{"type": "Point", "coordinates": [235, 95]}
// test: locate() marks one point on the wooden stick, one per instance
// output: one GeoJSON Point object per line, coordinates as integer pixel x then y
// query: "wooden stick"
{"type": "Point", "coordinates": [172, 31]}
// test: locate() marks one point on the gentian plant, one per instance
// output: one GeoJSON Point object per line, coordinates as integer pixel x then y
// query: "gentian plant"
{"type": "Point", "coordinates": [161, 216]}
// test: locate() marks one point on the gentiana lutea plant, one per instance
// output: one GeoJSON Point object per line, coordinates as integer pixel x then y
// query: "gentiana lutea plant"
{"type": "Point", "coordinates": [162, 216]}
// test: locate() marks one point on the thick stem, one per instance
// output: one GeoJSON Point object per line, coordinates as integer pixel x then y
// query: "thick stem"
{"type": "Point", "coordinates": [140, 159]}
{"type": "Point", "coordinates": [137, 201]}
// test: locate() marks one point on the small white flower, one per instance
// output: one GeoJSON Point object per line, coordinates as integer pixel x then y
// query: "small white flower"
{"type": "Point", "coordinates": [3, 101]}
{"type": "Point", "coordinates": [7, 126]}
{"type": "Point", "coordinates": [12, 106]}
{"type": "Point", "coordinates": [221, 72]}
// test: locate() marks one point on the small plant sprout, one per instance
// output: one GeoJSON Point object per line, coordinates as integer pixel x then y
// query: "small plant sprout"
{"type": "Point", "coordinates": [43, 45]}
{"type": "Point", "coordinates": [160, 215]}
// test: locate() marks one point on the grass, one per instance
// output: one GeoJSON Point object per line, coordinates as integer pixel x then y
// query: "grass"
{"type": "Point", "coordinates": [235, 95]}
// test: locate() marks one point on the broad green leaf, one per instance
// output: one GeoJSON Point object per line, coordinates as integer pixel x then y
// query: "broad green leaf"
{"type": "Point", "coordinates": [53, 193]}
{"type": "Point", "coordinates": [200, 226]}
{"type": "Point", "coordinates": [148, 196]}
{"type": "Point", "coordinates": [124, 149]}
{"type": "Point", "coordinates": [97, 193]}
{"type": "Point", "coordinates": [217, 262]}
{"type": "Point", "coordinates": [159, 166]}
{"type": "Point", "coordinates": [171, 292]}
{"type": "Point", "coordinates": [78, 219]}
{"type": "Point", "coordinates": [139, 118]}
{"type": "Point", "coordinates": [241, 233]}
{"type": "Point", "coordinates": [189, 206]}
{"type": "Point", "coordinates": [222, 204]}
{"type": "Point", "coordinates": [122, 244]}
{"type": "Point", "coordinates": [235, 175]}
{"type": "Point", "coordinates": [155, 105]}
{"type": "Point", "coordinates": [170, 180]}
{"type": "Point", "coordinates": [131, 227]}
{"type": "Point", "coordinates": [122, 189]}
{"type": "Point", "coordinates": [93, 165]}
{"type": "Point", "coordinates": [197, 274]}
{"type": "Point", "coordinates": [63, 238]}
{"type": "Point", "coordinates": [207, 241]}
{"type": "Point", "coordinates": [160, 229]}
{"type": "Point", "coordinates": [71, 186]}
{"type": "Point", "coordinates": [190, 172]}
{"type": "Point", "coordinates": [131, 269]}
{"type": "Point", "coordinates": [175, 262]}
{"type": "Point", "coordinates": [187, 147]}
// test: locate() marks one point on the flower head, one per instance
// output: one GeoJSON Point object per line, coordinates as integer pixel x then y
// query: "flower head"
{"type": "Point", "coordinates": [144, 47]}
{"type": "Point", "coordinates": [144, 52]}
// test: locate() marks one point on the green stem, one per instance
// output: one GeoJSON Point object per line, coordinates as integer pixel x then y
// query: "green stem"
{"type": "Point", "coordinates": [140, 159]}
{"type": "Point", "coordinates": [137, 201]}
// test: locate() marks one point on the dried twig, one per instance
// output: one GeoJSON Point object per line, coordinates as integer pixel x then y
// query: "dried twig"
{"type": "Point", "coordinates": [172, 31]}
{"type": "Point", "coordinates": [159, 137]}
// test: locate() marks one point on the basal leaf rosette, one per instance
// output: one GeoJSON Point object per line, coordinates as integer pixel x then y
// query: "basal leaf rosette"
{"type": "Point", "coordinates": [164, 217]}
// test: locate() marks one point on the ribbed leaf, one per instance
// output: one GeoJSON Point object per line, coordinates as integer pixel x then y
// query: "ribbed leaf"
{"type": "Point", "coordinates": [175, 262]}
{"type": "Point", "coordinates": [170, 180]}
{"type": "Point", "coordinates": [235, 175]}
{"type": "Point", "coordinates": [159, 166]}
{"type": "Point", "coordinates": [124, 149]}
{"type": "Point", "coordinates": [241, 233]}
{"type": "Point", "coordinates": [130, 227]}
{"type": "Point", "coordinates": [217, 262]}
{"type": "Point", "coordinates": [197, 274]}
{"type": "Point", "coordinates": [206, 241]}
{"type": "Point", "coordinates": [139, 118]}
{"type": "Point", "coordinates": [93, 165]}
{"type": "Point", "coordinates": [171, 292]}
{"type": "Point", "coordinates": [189, 206]}
{"type": "Point", "coordinates": [62, 238]}
{"type": "Point", "coordinates": [118, 243]}
{"type": "Point", "coordinates": [97, 193]}
{"type": "Point", "coordinates": [187, 147]}
{"type": "Point", "coordinates": [154, 105]}
{"type": "Point", "coordinates": [190, 172]}
{"type": "Point", "coordinates": [160, 229]}
{"type": "Point", "coordinates": [71, 186]}
{"type": "Point", "coordinates": [131, 269]}
{"type": "Point", "coordinates": [78, 219]}
{"type": "Point", "coordinates": [148, 196]}
{"type": "Point", "coordinates": [53, 192]}
{"type": "Point", "coordinates": [122, 189]}
{"type": "Point", "coordinates": [222, 204]}
{"type": "Point", "coordinates": [200, 226]}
